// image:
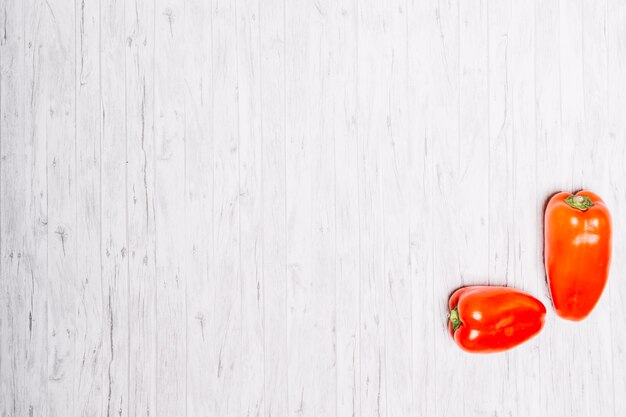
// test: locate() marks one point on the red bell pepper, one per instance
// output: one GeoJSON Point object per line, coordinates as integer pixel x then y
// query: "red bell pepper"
{"type": "Point", "coordinates": [488, 319]}
{"type": "Point", "coordinates": [577, 252]}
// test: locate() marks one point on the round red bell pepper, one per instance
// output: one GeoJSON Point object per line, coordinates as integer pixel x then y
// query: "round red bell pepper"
{"type": "Point", "coordinates": [577, 252]}
{"type": "Point", "coordinates": [488, 319]}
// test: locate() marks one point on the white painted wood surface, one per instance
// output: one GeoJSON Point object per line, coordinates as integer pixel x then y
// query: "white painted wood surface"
{"type": "Point", "coordinates": [259, 208]}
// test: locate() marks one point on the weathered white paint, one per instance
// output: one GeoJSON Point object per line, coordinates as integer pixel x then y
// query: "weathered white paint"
{"type": "Point", "coordinates": [213, 208]}
{"type": "Point", "coordinates": [141, 206]}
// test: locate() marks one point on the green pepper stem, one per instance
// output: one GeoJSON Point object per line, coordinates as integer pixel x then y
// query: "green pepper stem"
{"type": "Point", "coordinates": [455, 319]}
{"type": "Point", "coordinates": [579, 202]}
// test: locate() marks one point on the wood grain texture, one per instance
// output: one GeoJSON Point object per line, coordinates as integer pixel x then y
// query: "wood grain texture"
{"type": "Point", "coordinates": [199, 242]}
{"type": "Point", "coordinates": [59, 96]}
{"type": "Point", "coordinates": [226, 329]}
{"type": "Point", "coordinates": [250, 215]}
{"type": "Point", "coordinates": [616, 104]}
{"type": "Point", "coordinates": [170, 209]}
{"type": "Point", "coordinates": [16, 244]}
{"type": "Point", "coordinates": [94, 217]}
{"type": "Point", "coordinates": [272, 73]}
{"type": "Point", "coordinates": [260, 208]}
{"type": "Point", "coordinates": [139, 74]}
{"type": "Point", "coordinates": [420, 41]}
{"type": "Point", "coordinates": [343, 101]}
{"type": "Point", "coordinates": [114, 243]}
{"type": "Point", "coordinates": [372, 102]}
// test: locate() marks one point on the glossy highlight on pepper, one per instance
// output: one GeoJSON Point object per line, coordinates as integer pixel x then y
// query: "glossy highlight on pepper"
{"type": "Point", "coordinates": [577, 252]}
{"type": "Point", "coordinates": [489, 319]}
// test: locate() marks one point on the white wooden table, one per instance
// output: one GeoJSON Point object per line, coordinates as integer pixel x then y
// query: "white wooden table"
{"type": "Point", "coordinates": [260, 207]}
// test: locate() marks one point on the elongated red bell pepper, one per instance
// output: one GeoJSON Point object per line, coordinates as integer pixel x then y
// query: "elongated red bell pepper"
{"type": "Point", "coordinates": [577, 252]}
{"type": "Point", "coordinates": [488, 319]}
